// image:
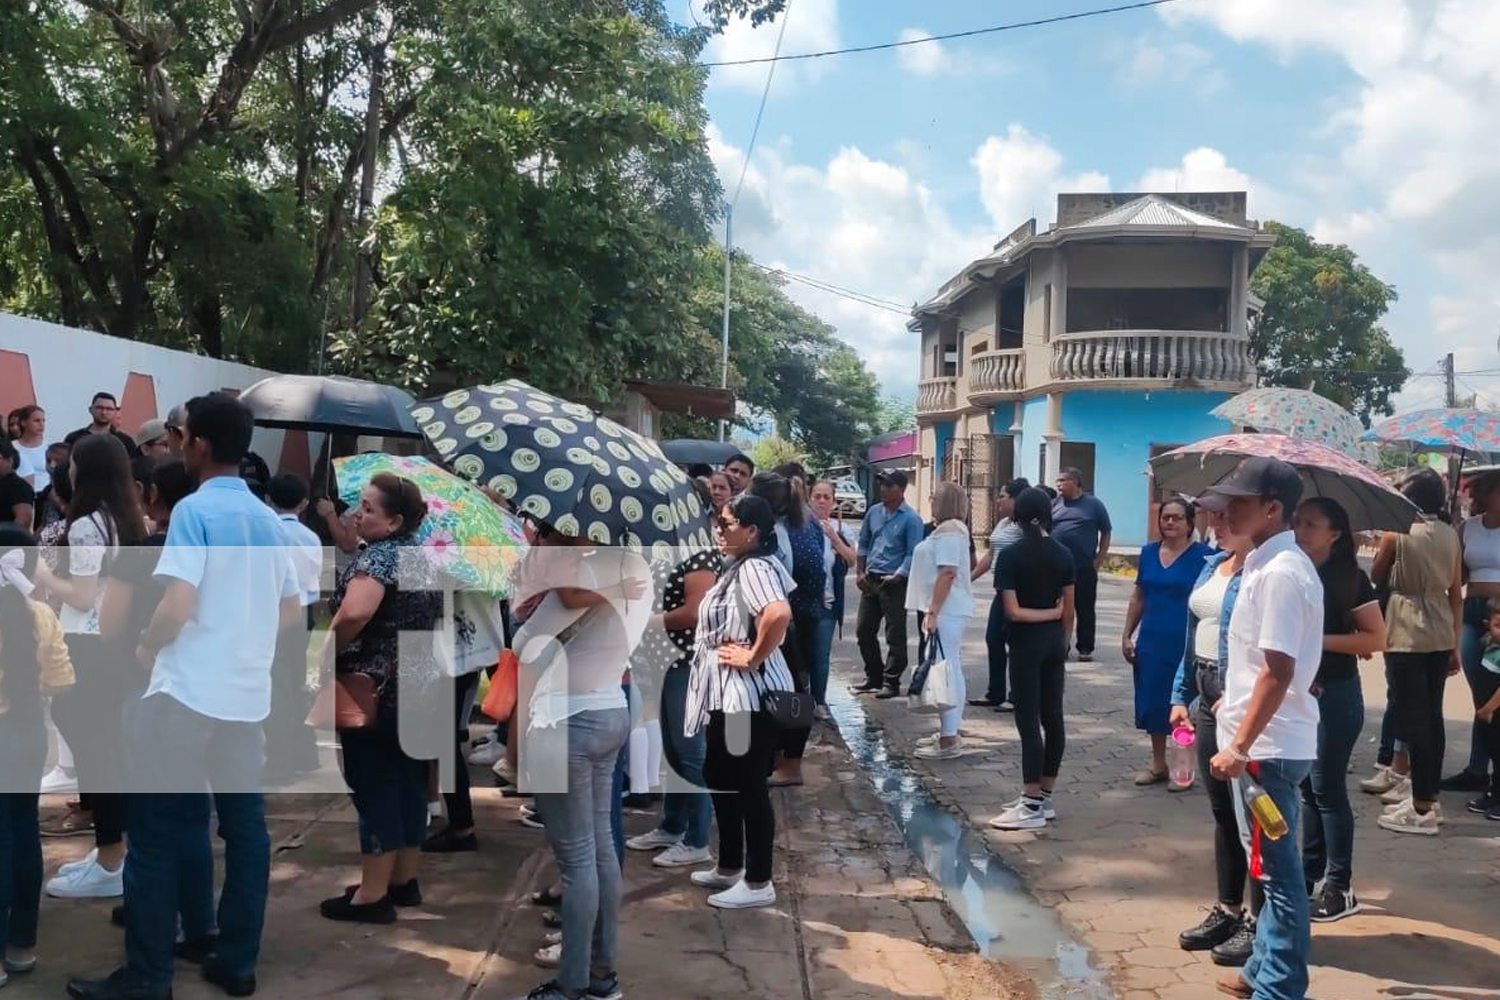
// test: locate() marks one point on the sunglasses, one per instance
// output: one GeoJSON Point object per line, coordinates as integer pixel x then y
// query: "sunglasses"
{"type": "Point", "coordinates": [725, 524]}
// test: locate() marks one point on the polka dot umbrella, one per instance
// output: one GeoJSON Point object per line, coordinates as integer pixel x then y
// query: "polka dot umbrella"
{"type": "Point", "coordinates": [564, 464]}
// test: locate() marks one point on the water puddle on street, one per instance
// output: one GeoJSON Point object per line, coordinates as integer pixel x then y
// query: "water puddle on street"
{"type": "Point", "coordinates": [1005, 920]}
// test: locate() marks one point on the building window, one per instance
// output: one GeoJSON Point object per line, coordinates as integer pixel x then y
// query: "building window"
{"type": "Point", "coordinates": [1079, 455]}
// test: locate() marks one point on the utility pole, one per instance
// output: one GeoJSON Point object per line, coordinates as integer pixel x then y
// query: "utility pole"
{"type": "Point", "coordinates": [724, 378]}
{"type": "Point", "coordinates": [1450, 387]}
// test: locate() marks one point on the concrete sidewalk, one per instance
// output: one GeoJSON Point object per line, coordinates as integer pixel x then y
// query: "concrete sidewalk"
{"type": "Point", "coordinates": [1129, 868]}
{"type": "Point", "coordinates": [857, 918]}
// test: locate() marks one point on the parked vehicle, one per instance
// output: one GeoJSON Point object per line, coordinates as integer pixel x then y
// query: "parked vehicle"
{"type": "Point", "coordinates": [848, 498]}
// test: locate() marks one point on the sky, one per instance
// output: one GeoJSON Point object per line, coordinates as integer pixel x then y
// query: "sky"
{"type": "Point", "coordinates": [1374, 123]}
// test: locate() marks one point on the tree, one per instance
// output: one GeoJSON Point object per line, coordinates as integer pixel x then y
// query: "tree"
{"type": "Point", "coordinates": [896, 413]}
{"type": "Point", "coordinates": [770, 452]}
{"type": "Point", "coordinates": [721, 12]}
{"type": "Point", "coordinates": [1320, 329]}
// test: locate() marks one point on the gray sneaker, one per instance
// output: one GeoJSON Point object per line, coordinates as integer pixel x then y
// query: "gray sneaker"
{"type": "Point", "coordinates": [607, 988]}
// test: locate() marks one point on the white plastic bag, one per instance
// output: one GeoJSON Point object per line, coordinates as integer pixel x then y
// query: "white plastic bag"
{"type": "Point", "coordinates": [933, 689]}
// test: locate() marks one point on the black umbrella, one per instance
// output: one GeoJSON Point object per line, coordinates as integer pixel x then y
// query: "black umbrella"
{"type": "Point", "coordinates": [690, 451]}
{"type": "Point", "coordinates": [562, 463]}
{"type": "Point", "coordinates": [331, 403]}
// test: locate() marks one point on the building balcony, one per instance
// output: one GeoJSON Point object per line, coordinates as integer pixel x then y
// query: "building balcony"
{"type": "Point", "coordinates": [937, 397]}
{"type": "Point", "coordinates": [1153, 357]}
{"type": "Point", "coordinates": [996, 376]}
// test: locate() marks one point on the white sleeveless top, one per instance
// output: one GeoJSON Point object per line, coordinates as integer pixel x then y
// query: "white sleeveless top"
{"type": "Point", "coordinates": [1481, 551]}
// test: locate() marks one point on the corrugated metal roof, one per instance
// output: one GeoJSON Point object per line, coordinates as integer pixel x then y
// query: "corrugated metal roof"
{"type": "Point", "coordinates": [1153, 210]}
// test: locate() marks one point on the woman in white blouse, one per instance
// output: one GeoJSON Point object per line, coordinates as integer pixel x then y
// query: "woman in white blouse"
{"type": "Point", "coordinates": [736, 660]}
{"type": "Point", "coordinates": [940, 589]}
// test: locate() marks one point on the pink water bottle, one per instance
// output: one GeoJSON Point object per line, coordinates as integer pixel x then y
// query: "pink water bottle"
{"type": "Point", "coordinates": [1181, 756]}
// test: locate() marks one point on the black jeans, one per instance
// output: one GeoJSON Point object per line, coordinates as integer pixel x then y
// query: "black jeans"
{"type": "Point", "coordinates": [742, 801]}
{"type": "Point", "coordinates": [994, 641]}
{"type": "Point", "coordinates": [88, 716]}
{"type": "Point", "coordinates": [1230, 864]}
{"type": "Point", "coordinates": [1038, 653]}
{"type": "Point", "coordinates": [459, 803]}
{"type": "Point", "coordinates": [1485, 683]}
{"type": "Point", "coordinates": [1417, 681]}
{"type": "Point", "coordinates": [23, 753]}
{"type": "Point", "coordinates": [389, 788]}
{"type": "Point", "coordinates": [291, 744]}
{"type": "Point", "coordinates": [1085, 598]}
{"type": "Point", "coordinates": [888, 602]}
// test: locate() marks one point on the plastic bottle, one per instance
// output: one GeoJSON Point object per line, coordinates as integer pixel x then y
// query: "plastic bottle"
{"type": "Point", "coordinates": [1181, 756]}
{"type": "Point", "coordinates": [1264, 809]}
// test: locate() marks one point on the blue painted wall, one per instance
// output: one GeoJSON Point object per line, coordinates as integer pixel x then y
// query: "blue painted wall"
{"type": "Point", "coordinates": [1033, 423]}
{"type": "Point", "coordinates": [943, 433]}
{"type": "Point", "coordinates": [1123, 427]}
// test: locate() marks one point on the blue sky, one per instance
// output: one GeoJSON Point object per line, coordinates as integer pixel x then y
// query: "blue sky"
{"type": "Point", "coordinates": [1371, 122]}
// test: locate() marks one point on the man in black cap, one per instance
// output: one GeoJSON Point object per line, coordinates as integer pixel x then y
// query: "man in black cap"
{"type": "Point", "coordinates": [1268, 716]}
{"type": "Point", "coordinates": [889, 535]}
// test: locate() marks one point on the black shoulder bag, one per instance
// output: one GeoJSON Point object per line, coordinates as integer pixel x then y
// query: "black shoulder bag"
{"type": "Point", "coordinates": [788, 709]}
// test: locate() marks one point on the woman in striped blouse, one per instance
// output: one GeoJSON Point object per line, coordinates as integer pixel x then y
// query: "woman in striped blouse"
{"type": "Point", "coordinates": [736, 660]}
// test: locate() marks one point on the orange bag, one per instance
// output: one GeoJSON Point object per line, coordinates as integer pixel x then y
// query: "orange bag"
{"type": "Point", "coordinates": [500, 700]}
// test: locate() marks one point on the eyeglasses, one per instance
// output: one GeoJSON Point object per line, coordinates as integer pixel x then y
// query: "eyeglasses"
{"type": "Point", "coordinates": [725, 524]}
{"type": "Point", "coordinates": [1173, 517]}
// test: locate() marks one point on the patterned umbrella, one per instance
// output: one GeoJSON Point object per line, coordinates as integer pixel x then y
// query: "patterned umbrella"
{"type": "Point", "coordinates": [1372, 504]}
{"type": "Point", "coordinates": [466, 535]}
{"type": "Point", "coordinates": [1297, 413]}
{"type": "Point", "coordinates": [564, 464]}
{"type": "Point", "coordinates": [1459, 429]}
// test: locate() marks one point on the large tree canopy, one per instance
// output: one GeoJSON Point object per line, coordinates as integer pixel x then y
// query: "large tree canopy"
{"type": "Point", "coordinates": [1321, 326]}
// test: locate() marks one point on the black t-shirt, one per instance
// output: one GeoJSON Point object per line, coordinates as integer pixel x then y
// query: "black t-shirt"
{"type": "Point", "coordinates": [1036, 572]}
{"type": "Point", "coordinates": [135, 565]}
{"type": "Point", "coordinates": [1340, 621]}
{"type": "Point", "coordinates": [14, 490]}
{"type": "Point", "coordinates": [125, 439]}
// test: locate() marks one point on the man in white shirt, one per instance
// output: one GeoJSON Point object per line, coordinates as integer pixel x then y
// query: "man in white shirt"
{"type": "Point", "coordinates": [291, 744]}
{"type": "Point", "coordinates": [1268, 721]}
{"type": "Point", "coordinates": [230, 587]}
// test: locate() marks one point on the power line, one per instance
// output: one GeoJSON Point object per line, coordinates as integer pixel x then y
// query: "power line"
{"type": "Point", "coordinates": [786, 14]}
{"type": "Point", "coordinates": [828, 286]}
{"type": "Point", "coordinates": [1013, 26]}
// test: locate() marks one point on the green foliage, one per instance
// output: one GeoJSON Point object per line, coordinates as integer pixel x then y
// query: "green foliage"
{"type": "Point", "coordinates": [770, 452]}
{"type": "Point", "coordinates": [1321, 324]}
{"type": "Point", "coordinates": [721, 12]}
{"type": "Point", "coordinates": [896, 414]}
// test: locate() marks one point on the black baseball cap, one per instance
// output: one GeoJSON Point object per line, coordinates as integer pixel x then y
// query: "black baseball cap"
{"type": "Point", "coordinates": [1268, 478]}
{"type": "Point", "coordinates": [894, 478]}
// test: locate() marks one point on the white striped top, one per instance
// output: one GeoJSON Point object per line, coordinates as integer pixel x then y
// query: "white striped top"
{"type": "Point", "coordinates": [726, 616]}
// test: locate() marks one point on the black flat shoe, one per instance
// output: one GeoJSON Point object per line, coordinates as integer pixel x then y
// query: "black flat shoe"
{"type": "Point", "coordinates": [344, 908]}
{"type": "Point", "coordinates": [215, 972]}
{"type": "Point", "coordinates": [865, 688]}
{"type": "Point", "coordinates": [448, 842]}
{"type": "Point", "coordinates": [983, 703]}
{"type": "Point", "coordinates": [118, 985]}
{"type": "Point", "coordinates": [409, 894]}
{"type": "Point", "coordinates": [196, 951]}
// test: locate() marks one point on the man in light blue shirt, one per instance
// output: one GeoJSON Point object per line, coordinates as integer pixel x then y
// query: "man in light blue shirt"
{"type": "Point", "coordinates": [889, 535]}
{"type": "Point", "coordinates": [230, 587]}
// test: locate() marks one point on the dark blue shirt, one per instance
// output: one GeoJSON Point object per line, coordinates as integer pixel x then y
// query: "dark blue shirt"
{"type": "Point", "coordinates": [1078, 524]}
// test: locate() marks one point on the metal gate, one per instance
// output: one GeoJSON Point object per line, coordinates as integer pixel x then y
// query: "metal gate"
{"type": "Point", "coordinates": [971, 464]}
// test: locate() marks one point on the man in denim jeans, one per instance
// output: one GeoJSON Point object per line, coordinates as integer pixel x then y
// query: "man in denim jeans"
{"type": "Point", "coordinates": [1268, 721]}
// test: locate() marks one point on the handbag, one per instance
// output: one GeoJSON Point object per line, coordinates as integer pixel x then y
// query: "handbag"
{"type": "Point", "coordinates": [352, 701]}
{"type": "Point", "coordinates": [500, 699]}
{"type": "Point", "coordinates": [789, 709]}
{"type": "Point", "coordinates": [932, 688]}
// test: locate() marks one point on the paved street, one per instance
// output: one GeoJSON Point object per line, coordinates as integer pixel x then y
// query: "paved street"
{"type": "Point", "coordinates": [1128, 868]}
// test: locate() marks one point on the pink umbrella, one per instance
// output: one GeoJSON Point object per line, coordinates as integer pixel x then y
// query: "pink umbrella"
{"type": "Point", "coordinates": [1372, 504]}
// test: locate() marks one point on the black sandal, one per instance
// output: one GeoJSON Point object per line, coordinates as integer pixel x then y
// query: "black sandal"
{"type": "Point", "coordinates": [546, 898]}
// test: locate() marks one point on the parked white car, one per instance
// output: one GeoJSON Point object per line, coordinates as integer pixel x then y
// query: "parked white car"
{"type": "Point", "coordinates": [848, 498]}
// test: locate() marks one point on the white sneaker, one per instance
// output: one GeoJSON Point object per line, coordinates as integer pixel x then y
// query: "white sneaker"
{"type": "Point", "coordinates": [711, 879]}
{"type": "Point", "coordinates": [1049, 812]}
{"type": "Point", "coordinates": [552, 937]}
{"type": "Point", "coordinates": [1408, 820]}
{"type": "Point", "coordinates": [1382, 781]}
{"type": "Point", "coordinates": [59, 782]}
{"type": "Point", "coordinates": [1026, 814]}
{"type": "Point", "coordinates": [80, 864]}
{"type": "Point", "coordinates": [487, 754]}
{"type": "Point", "coordinates": [930, 739]}
{"type": "Point", "coordinates": [741, 897]}
{"type": "Point", "coordinates": [92, 881]}
{"type": "Point", "coordinates": [504, 769]}
{"type": "Point", "coordinates": [653, 841]}
{"type": "Point", "coordinates": [548, 956]}
{"type": "Point", "coordinates": [681, 856]}
{"type": "Point", "coordinates": [1397, 793]}
{"type": "Point", "coordinates": [936, 751]}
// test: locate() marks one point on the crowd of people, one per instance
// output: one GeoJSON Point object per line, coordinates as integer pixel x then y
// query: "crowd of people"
{"type": "Point", "coordinates": [158, 592]}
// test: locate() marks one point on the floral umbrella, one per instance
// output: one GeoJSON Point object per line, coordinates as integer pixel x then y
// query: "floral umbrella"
{"type": "Point", "coordinates": [1297, 413]}
{"type": "Point", "coordinates": [465, 533]}
{"type": "Point", "coordinates": [564, 464]}
{"type": "Point", "coordinates": [1457, 429]}
{"type": "Point", "coordinates": [1372, 504]}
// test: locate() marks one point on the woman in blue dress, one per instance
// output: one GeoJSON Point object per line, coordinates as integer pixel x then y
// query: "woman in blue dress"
{"type": "Point", "coordinates": [1156, 625]}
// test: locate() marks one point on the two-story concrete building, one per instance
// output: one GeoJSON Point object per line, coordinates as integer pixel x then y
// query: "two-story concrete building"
{"type": "Point", "coordinates": [1098, 342]}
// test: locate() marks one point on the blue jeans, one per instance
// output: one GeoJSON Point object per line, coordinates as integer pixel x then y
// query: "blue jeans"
{"type": "Point", "coordinates": [1277, 969]}
{"type": "Point", "coordinates": [23, 754]}
{"type": "Point", "coordinates": [685, 814]}
{"type": "Point", "coordinates": [815, 631]}
{"type": "Point", "coordinates": [577, 820]}
{"type": "Point", "coordinates": [1471, 651]}
{"type": "Point", "coordinates": [170, 864]}
{"type": "Point", "coordinates": [1327, 816]}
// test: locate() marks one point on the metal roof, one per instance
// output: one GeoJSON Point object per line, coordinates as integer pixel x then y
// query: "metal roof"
{"type": "Point", "coordinates": [1154, 211]}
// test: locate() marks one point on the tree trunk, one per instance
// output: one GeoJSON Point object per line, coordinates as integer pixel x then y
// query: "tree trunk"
{"type": "Point", "coordinates": [208, 323]}
{"type": "Point", "coordinates": [364, 267]}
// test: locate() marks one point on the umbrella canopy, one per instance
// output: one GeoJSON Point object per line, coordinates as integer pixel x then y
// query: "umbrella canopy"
{"type": "Point", "coordinates": [331, 403]}
{"type": "Point", "coordinates": [564, 464]}
{"type": "Point", "coordinates": [1371, 503]}
{"type": "Point", "coordinates": [1457, 429]}
{"type": "Point", "coordinates": [687, 451]}
{"type": "Point", "coordinates": [466, 535]}
{"type": "Point", "coordinates": [1297, 413]}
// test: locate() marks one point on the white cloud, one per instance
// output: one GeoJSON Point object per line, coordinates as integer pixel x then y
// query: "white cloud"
{"type": "Point", "coordinates": [1020, 176]}
{"type": "Point", "coordinates": [1152, 61]}
{"type": "Point", "coordinates": [858, 222]}
{"type": "Point", "coordinates": [1201, 169]}
{"type": "Point", "coordinates": [926, 59]}
{"type": "Point", "coordinates": [811, 26]}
